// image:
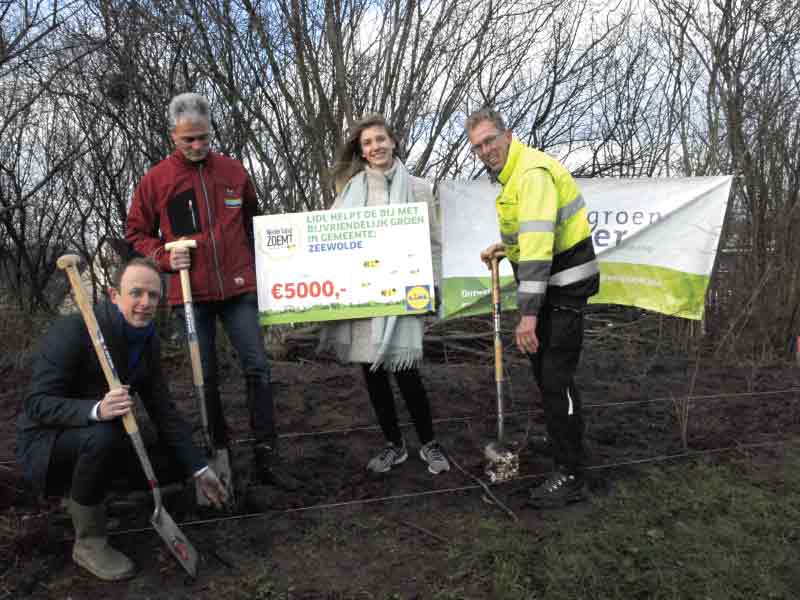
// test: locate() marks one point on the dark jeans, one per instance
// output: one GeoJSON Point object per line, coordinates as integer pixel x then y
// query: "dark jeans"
{"type": "Point", "coordinates": [86, 461]}
{"type": "Point", "coordinates": [239, 317]}
{"type": "Point", "coordinates": [560, 333]}
{"type": "Point", "coordinates": [413, 392]}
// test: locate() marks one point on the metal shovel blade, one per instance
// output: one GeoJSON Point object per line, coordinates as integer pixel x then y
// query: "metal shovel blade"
{"type": "Point", "coordinates": [178, 544]}
{"type": "Point", "coordinates": [502, 461]}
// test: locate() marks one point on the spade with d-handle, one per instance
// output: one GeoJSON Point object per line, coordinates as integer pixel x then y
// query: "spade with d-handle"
{"type": "Point", "coordinates": [218, 456]}
{"type": "Point", "coordinates": [503, 462]}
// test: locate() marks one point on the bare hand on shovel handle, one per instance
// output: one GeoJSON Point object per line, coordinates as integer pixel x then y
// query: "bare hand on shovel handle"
{"type": "Point", "coordinates": [495, 252]}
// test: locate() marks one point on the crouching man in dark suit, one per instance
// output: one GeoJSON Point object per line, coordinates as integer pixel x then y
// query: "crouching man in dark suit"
{"type": "Point", "coordinates": [70, 438]}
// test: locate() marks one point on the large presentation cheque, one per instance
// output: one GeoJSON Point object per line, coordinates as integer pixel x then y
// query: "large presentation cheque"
{"type": "Point", "coordinates": [344, 264]}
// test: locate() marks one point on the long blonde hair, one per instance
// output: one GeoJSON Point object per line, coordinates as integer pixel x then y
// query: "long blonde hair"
{"type": "Point", "coordinates": [349, 159]}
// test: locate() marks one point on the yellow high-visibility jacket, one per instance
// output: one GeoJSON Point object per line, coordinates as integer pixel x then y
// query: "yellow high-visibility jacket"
{"type": "Point", "coordinates": [545, 230]}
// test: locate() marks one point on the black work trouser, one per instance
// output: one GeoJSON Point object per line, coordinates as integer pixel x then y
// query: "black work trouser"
{"type": "Point", "coordinates": [86, 461]}
{"type": "Point", "coordinates": [560, 333]}
{"type": "Point", "coordinates": [413, 392]}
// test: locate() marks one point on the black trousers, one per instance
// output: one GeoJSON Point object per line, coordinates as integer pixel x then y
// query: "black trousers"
{"type": "Point", "coordinates": [560, 333]}
{"type": "Point", "coordinates": [86, 461]}
{"type": "Point", "coordinates": [413, 392]}
{"type": "Point", "coordinates": [239, 318]}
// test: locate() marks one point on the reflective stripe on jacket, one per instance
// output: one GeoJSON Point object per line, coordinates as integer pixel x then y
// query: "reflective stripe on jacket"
{"type": "Point", "coordinates": [545, 230]}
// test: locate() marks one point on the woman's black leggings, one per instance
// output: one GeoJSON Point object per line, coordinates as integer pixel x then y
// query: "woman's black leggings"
{"type": "Point", "coordinates": [413, 392]}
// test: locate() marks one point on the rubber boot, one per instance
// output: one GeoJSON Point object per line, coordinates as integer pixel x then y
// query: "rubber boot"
{"type": "Point", "coordinates": [91, 549]}
{"type": "Point", "coordinates": [266, 461]}
{"type": "Point", "coordinates": [269, 467]}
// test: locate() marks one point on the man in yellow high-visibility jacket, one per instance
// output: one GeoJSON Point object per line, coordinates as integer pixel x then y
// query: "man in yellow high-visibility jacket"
{"type": "Point", "coordinates": [546, 235]}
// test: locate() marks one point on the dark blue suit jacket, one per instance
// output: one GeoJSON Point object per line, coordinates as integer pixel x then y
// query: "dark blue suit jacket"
{"type": "Point", "coordinates": [68, 381]}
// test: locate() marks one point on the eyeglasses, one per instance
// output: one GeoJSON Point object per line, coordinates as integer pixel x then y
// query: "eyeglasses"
{"type": "Point", "coordinates": [486, 143]}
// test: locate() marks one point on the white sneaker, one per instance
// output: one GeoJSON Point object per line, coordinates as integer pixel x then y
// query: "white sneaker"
{"type": "Point", "coordinates": [433, 454]}
{"type": "Point", "coordinates": [390, 456]}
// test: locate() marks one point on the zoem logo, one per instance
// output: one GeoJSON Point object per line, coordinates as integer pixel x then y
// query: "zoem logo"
{"type": "Point", "coordinates": [279, 242]}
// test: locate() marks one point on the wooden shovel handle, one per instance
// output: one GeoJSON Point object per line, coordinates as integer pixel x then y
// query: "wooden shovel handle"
{"type": "Point", "coordinates": [69, 264]}
{"type": "Point", "coordinates": [186, 288]}
{"type": "Point", "coordinates": [498, 342]}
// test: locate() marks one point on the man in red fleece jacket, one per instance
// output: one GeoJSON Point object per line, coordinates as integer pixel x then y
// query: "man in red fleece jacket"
{"type": "Point", "coordinates": [202, 195]}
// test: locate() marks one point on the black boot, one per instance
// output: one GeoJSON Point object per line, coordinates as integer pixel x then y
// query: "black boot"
{"type": "Point", "coordinates": [266, 461]}
{"type": "Point", "coordinates": [558, 490]}
{"type": "Point", "coordinates": [540, 444]}
{"type": "Point", "coordinates": [261, 407]}
{"type": "Point", "coordinates": [269, 468]}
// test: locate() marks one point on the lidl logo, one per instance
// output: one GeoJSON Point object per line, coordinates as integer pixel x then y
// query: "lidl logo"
{"type": "Point", "coordinates": [418, 298]}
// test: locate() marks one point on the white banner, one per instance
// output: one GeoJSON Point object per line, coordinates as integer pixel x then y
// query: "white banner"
{"type": "Point", "coordinates": [344, 264]}
{"type": "Point", "coordinates": [656, 241]}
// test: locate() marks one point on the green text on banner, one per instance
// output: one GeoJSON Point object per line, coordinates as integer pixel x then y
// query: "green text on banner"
{"type": "Point", "coordinates": [656, 241]}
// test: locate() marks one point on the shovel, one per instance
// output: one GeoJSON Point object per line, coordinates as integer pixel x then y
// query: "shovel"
{"type": "Point", "coordinates": [218, 457]}
{"type": "Point", "coordinates": [178, 544]}
{"type": "Point", "coordinates": [503, 462]}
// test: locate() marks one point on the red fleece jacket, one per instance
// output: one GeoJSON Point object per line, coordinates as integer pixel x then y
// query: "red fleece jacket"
{"type": "Point", "coordinates": [213, 202]}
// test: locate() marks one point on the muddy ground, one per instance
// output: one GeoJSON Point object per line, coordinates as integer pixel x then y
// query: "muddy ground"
{"type": "Point", "coordinates": [348, 534]}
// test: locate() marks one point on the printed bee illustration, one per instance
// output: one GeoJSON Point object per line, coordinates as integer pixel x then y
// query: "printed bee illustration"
{"type": "Point", "coordinates": [371, 264]}
{"type": "Point", "coordinates": [389, 292]}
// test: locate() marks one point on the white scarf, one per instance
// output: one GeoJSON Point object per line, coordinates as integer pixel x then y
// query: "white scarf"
{"type": "Point", "coordinates": [396, 341]}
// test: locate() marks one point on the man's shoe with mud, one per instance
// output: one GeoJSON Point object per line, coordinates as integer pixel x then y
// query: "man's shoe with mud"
{"type": "Point", "coordinates": [558, 490]}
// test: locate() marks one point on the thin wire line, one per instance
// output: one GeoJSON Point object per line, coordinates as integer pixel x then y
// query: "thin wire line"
{"type": "Point", "coordinates": [526, 412]}
{"type": "Point", "coordinates": [516, 413]}
{"type": "Point", "coordinates": [410, 495]}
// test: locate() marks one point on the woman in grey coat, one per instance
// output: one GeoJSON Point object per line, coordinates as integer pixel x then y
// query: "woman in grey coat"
{"type": "Point", "coordinates": [367, 173]}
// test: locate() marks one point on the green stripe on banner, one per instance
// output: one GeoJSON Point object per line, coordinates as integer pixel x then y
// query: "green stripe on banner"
{"type": "Point", "coordinates": [468, 296]}
{"type": "Point", "coordinates": [658, 289]}
{"type": "Point", "coordinates": [336, 312]}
